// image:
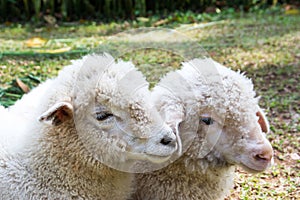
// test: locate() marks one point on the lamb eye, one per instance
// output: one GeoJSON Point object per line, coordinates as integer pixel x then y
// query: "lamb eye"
{"type": "Point", "coordinates": [207, 120]}
{"type": "Point", "coordinates": [103, 116]}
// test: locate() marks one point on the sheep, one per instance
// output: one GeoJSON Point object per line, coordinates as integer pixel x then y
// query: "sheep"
{"type": "Point", "coordinates": [95, 119]}
{"type": "Point", "coordinates": [217, 116]}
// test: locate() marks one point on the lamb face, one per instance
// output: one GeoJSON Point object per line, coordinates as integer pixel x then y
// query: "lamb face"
{"type": "Point", "coordinates": [243, 126]}
{"type": "Point", "coordinates": [240, 138]}
{"type": "Point", "coordinates": [112, 112]}
{"type": "Point", "coordinates": [223, 112]}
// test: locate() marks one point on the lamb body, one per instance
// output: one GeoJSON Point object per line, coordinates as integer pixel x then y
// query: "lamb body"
{"type": "Point", "coordinates": [215, 111]}
{"type": "Point", "coordinates": [70, 152]}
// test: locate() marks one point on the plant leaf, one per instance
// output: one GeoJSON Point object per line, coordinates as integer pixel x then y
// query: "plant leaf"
{"type": "Point", "coordinates": [22, 85]}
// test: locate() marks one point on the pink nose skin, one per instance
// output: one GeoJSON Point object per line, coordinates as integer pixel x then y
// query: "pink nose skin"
{"type": "Point", "coordinates": [265, 154]}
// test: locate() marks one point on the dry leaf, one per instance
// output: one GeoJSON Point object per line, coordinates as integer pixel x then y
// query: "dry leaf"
{"type": "Point", "coordinates": [22, 85]}
{"type": "Point", "coordinates": [35, 42]}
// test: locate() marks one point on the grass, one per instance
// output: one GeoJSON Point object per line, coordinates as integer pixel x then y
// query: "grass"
{"type": "Point", "coordinates": [266, 47]}
{"type": "Point", "coordinates": [279, 92]}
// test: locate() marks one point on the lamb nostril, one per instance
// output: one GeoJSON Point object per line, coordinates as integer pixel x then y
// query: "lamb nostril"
{"type": "Point", "coordinates": [259, 157]}
{"type": "Point", "coordinates": [166, 140]}
{"type": "Point", "coordinates": [264, 157]}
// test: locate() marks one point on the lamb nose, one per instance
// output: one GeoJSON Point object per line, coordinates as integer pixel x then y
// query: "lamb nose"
{"type": "Point", "coordinates": [166, 140]}
{"type": "Point", "coordinates": [266, 156]}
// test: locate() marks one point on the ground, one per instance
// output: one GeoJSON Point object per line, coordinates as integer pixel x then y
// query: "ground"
{"type": "Point", "coordinates": [266, 47]}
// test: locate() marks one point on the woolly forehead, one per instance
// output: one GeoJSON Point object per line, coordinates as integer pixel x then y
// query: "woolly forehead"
{"type": "Point", "coordinates": [122, 85]}
{"type": "Point", "coordinates": [237, 99]}
{"type": "Point", "coordinates": [221, 90]}
{"type": "Point", "coordinates": [113, 83]}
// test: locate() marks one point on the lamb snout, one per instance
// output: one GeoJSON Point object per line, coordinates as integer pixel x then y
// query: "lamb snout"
{"type": "Point", "coordinates": [260, 158]}
{"type": "Point", "coordinates": [265, 154]}
{"type": "Point", "coordinates": [167, 141]}
{"type": "Point", "coordinates": [162, 145]}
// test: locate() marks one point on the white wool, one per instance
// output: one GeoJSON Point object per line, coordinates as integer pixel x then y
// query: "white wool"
{"type": "Point", "coordinates": [44, 149]}
{"type": "Point", "coordinates": [11, 135]}
{"type": "Point", "coordinates": [205, 171]}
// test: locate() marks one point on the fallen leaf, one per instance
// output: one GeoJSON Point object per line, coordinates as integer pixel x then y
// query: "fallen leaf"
{"type": "Point", "coordinates": [35, 42]}
{"type": "Point", "coordinates": [22, 85]}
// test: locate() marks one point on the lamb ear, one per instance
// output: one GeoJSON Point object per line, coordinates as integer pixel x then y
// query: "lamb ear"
{"type": "Point", "coordinates": [57, 114]}
{"type": "Point", "coordinates": [262, 120]}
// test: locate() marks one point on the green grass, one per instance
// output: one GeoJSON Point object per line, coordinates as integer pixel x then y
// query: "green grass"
{"type": "Point", "coordinates": [266, 47]}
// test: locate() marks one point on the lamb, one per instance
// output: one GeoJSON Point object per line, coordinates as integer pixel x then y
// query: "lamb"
{"type": "Point", "coordinates": [95, 119]}
{"type": "Point", "coordinates": [216, 113]}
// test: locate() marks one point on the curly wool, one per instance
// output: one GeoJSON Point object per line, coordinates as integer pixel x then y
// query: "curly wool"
{"type": "Point", "coordinates": [40, 161]}
{"type": "Point", "coordinates": [201, 173]}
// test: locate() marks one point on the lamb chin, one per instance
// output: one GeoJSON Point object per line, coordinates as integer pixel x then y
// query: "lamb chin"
{"type": "Point", "coordinates": [255, 169]}
{"type": "Point", "coordinates": [157, 159]}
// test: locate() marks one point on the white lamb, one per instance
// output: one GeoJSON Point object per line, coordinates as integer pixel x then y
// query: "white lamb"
{"type": "Point", "coordinates": [215, 109]}
{"type": "Point", "coordinates": [96, 112]}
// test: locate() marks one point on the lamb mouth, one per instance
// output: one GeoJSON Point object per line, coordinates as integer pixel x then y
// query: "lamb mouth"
{"type": "Point", "coordinates": [150, 157]}
{"type": "Point", "coordinates": [252, 169]}
{"type": "Point", "coordinates": [157, 159]}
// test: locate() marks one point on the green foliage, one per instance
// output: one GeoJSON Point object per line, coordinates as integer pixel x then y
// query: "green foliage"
{"type": "Point", "coordinates": [68, 10]}
{"type": "Point", "coordinates": [13, 93]}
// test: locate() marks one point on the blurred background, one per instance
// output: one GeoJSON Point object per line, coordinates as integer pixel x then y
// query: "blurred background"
{"type": "Point", "coordinates": [105, 10]}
